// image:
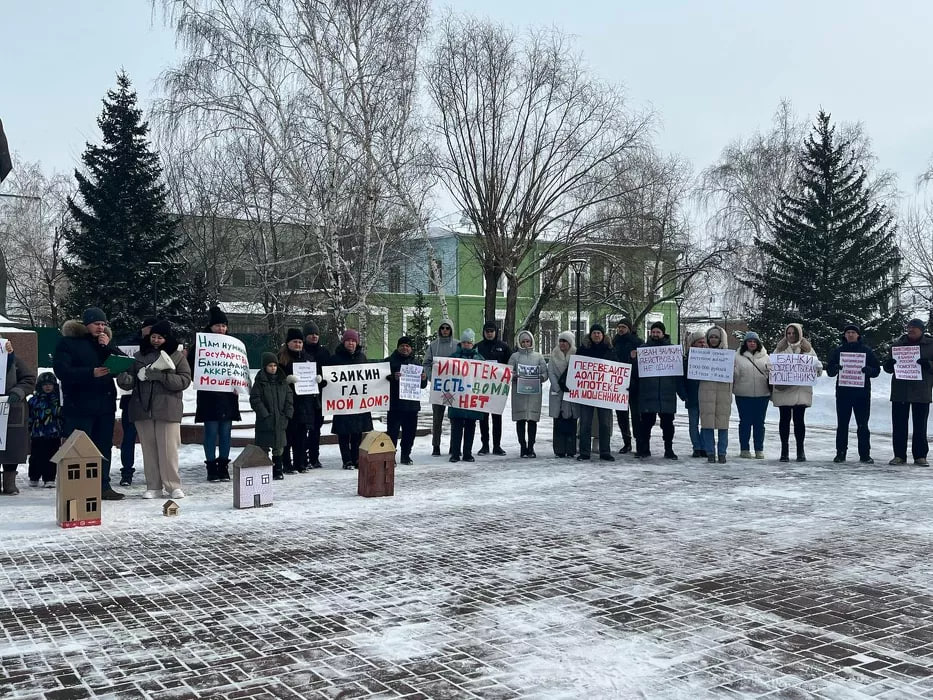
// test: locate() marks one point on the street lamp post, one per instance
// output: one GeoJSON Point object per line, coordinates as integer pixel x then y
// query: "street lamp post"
{"type": "Point", "coordinates": [679, 300]}
{"type": "Point", "coordinates": [578, 265]}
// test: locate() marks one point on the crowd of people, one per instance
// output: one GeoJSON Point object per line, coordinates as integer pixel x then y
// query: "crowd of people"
{"type": "Point", "coordinates": [81, 394]}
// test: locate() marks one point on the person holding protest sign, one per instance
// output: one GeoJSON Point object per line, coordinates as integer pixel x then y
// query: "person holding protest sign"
{"type": "Point", "coordinates": [910, 396]}
{"type": "Point", "coordinates": [853, 396]}
{"type": "Point", "coordinates": [273, 401]}
{"type": "Point", "coordinates": [625, 346]}
{"type": "Point", "coordinates": [443, 346]}
{"type": "Point", "coordinates": [349, 429]}
{"type": "Point", "coordinates": [217, 410]}
{"type": "Point", "coordinates": [529, 372]}
{"type": "Point", "coordinates": [597, 347]}
{"type": "Point", "coordinates": [128, 441]}
{"type": "Point", "coordinates": [564, 413]}
{"type": "Point", "coordinates": [295, 455]}
{"type": "Point", "coordinates": [403, 413]}
{"type": "Point", "coordinates": [156, 407]}
{"type": "Point", "coordinates": [491, 348]}
{"type": "Point", "coordinates": [20, 383]}
{"type": "Point", "coordinates": [90, 396]}
{"type": "Point", "coordinates": [320, 355]}
{"type": "Point", "coordinates": [696, 339]}
{"type": "Point", "coordinates": [657, 398]}
{"type": "Point", "coordinates": [750, 384]}
{"type": "Point", "coordinates": [715, 405]}
{"type": "Point", "coordinates": [462, 420]}
{"type": "Point", "coordinates": [793, 400]}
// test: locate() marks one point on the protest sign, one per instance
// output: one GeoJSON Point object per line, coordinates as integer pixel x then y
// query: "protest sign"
{"type": "Point", "coordinates": [477, 385]}
{"type": "Point", "coordinates": [660, 361]}
{"type": "Point", "coordinates": [600, 383]}
{"type": "Point", "coordinates": [3, 366]}
{"type": "Point", "coordinates": [529, 380]}
{"type": "Point", "coordinates": [307, 378]}
{"type": "Point", "coordinates": [905, 362]}
{"type": "Point", "coordinates": [356, 388]}
{"type": "Point", "coordinates": [4, 421]}
{"type": "Point", "coordinates": [409, 382]}
{"type": "Point", "coordinates": [793, 369]}
{"type": "Point", "coordinates": [850, 369]}
{"type": "Point", "coordinates": [711, 364]}
{"type": "Point", "coordinates": [220, 364]}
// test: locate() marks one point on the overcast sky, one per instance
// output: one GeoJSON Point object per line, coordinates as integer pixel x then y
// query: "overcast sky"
{"type": "Point", "coordinates": [713, 69]}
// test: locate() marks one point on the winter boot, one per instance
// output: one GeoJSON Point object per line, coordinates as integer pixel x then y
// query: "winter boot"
{"type": "Point", "coordinates": [801, 456]}
{"type": "Point", "coordinates": [785, 452]}
{"type": "Point", "coordinates": [626, 446]}
{"type": "Point", "coordinates": [532, 436]}
{"type": "Point", "coordinates": [126, 476]}
{"type": "Point", "coordinates": [223, 473]}
{"type": "Point", "coordinates": [211, 465]}
{"type": "Point", "coordinates": [278, 471]}
{"type": "Point", "coordinates": [287, 465]}
{"type": "Point", "coordinates": [497, 450]}
{"type": "Point", "coordinates": [711, 459]}
{"type": "Point", "coordinates": [722, 459]}
{"type": "Point", "coordinates": [669, 451]}
{"type": "Point", "coordinates": [9, 483]}
{"type": "Point", "coordinates": [484, 449]}
{"type": "Point", "coordinates": [839, 458]}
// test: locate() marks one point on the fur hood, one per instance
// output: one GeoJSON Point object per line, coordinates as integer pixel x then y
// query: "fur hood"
{"type": "Point", "coordinates": [73, 328]}
{"type": "Point", "coordinates": [801, 346]}
{"type": "Point", "coordinates": [723, 338]}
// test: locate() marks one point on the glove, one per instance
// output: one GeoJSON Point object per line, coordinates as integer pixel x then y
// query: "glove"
{"type": "Point", "coordinates": [321, 381]}
{"type": "Point", "coordinates": [141, 374]}
{"type": "Point", "coordinates": [291, 379]}
{"type": "Point", "coordinates": [920, 360]}
{"type": "Point", "coordinates": [865, 369]}
{"type": "Point", "coordinates": [13, 398]}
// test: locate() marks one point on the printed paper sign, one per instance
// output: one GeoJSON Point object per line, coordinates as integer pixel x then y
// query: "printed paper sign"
{"type": "Point", "coordinates": [711, 364]}
{"type": "Point", "coordinates": [793, 369]}
{"type": "Point", "coordinates": [600, 383]}
{"type": "Point", "coordinates": [850, 369]}
{"type": "Point", "coordinates": [905, 362]}
{"type": "Point", "coordinates": [477, 385]}
{"type": "Point", "coordinates": [3, 354]}
{"type": "Point", "coordinates": [220, 363]}
{"type": "Point", "coordinates": [307, 378]}
{"type": "Point", "coordinates": [529, 380]}
{"type": "Point", "coordinates": [409, 382]}
{"type": "Point", "coordinates": [4, 420]}
{"type": "Point", "coordinates": [356, 388]}
{"type": "Point", "coordinates": [660, 361]}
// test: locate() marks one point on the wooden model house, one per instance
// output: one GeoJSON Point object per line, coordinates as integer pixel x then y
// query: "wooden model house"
{"type": "Point", "coordinates": [252, 478]}
{"type": "Point", "coordinates": [77, 486]}
{"type": "Point", "coordinates": [170, 508]}
{"type": "Point", "coordinates": [377, 466]}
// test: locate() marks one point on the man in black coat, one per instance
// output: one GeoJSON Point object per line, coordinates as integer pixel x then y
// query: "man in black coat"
{"type": "Point", "coordinates": [403, 413]}
{"type": "Point", "coordinates": [624, 345]}
{"type": "Point", "coordinates": [912, 398]}
{"type": "Point", "coordinates": [90, 396]}
{"type": "Point", "coordinates": [598, 348]}
{"type": "Point", "coordinates": [853, 399]}
{"type": "Point", "coordinates": [315, 352]}
{"type": "Point", "coordinates": [491, 348]}
{"type": "Point", "coordinates": [657, 398]}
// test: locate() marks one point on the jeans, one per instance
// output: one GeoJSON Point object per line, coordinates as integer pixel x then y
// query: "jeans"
{"type": "Point", "coordinates": [899, 414]}
{"type": "Point", "coordinates": [708, 441]}
{"type": "Point", "coordinates": [847, 403]}
{"type": "Point", "coordinates": [214, 431]}
{"type": "Point", "coordinates": [100, 430]}
{"type": "Point", "coordinates": [752, 410]}
{"type": "Point", "coordinates": [693, 420]}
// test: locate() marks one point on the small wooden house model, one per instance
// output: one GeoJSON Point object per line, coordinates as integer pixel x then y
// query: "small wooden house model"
{"type": "Point", "coordinates": [252, 478]}
{"type": "Point", "coordinates": [170, 508]}
{"type": "Point", "coordinates": [377, 466]}
{"type": "Point", "coordinates": [77, 485]}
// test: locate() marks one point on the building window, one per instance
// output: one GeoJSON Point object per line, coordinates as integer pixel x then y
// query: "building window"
{"type": "Point", "coordinates": [435, 275]}
{"type": "Point", "coordinates": [249, 481]}
{"type": "Point", "coordinates": [91, 472]}
{"type": "Point", "coordinates": [395, 279]}
{"type": "Point", "coordinates": [74, 472]}
{"type": "Point", "coordinates": [90, 505]}
{"type": "Point", "coordinates": [265, 478]}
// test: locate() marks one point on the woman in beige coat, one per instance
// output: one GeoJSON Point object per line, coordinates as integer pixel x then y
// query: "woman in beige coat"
{"type": "Point", "coordinates": [793, 401]}
{"type": "Point", "coordinates": [715, 399]}
{"type": "Point", "coordinates": [750, 386]}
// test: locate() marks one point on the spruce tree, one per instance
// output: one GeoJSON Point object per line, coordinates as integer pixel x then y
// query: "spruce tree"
{"type": "Point", "coordinates": [122, 227]}
{"type": "Point", "coordinates": [833, 258]}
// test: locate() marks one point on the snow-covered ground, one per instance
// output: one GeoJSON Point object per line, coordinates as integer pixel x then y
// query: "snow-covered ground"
{"type": "Point", "coordinates": [503, 578]}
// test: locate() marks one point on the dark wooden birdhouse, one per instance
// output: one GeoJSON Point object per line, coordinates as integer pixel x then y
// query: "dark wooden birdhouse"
{"type": "Point", "coordinates": [377, 466]}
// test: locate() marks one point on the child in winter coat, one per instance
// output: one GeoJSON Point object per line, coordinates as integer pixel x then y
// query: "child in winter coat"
{"type": "Point", "coordinates": [529, 372]}
{"type": "Point", "coordinates": [462, 420]}
{"type": "Point", "coordinates": [45, 430]}
{"type": "Point", "coordinates": [271, 398]}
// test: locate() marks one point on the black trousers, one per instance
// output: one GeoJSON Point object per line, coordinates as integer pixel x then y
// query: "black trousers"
{"type": "Point", "coordinates": [313, 438]}
{"type": "Point", "coordinates": [350, 447]}
{"type": "Point", "coordinates": [604, 422]}
{"type": "Point", "coordinates": [406, 423]}
{"type": "Point", "coordinates": [100, 430]}
{"type": "Point", "coordinates": [900, 410]}
{"type": "Point", "coordinates": [41, 465]}
{"type": "Point", "coordinates": [437, 424]}
{"type": "Point", "coordinates": [462, 430]}
{"type": "Point", "coordinates": [496, 430]}
{"type": "Point", "coordinates": [800, 428]}
{"type": "Point", "coordinates": [564, 437]}
{"type": "Point", "coordinates": [295, 454]}
{"type": "Point", "coordinates": [847, 403]}
{"type": "Point", "coordinates": [624, 427]}
{"type": "Point", "coordinates": [531, 426]}
{"type": "Point", "coordinates": [647, 425]}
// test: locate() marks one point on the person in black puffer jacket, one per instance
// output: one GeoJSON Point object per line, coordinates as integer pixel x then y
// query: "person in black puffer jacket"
{"type": "Point", "coordinates": [403, 413]}
{"type": "Point", "coordinates": [295, 456]}
{"type": "Point", "coordinates": [624, 346]}
{"type": "Point", "coordinates": [491, 348]}
{"type": "Point", "coordinates": [349, 429]}
{"type": "Point", "coordinates": [657, 396]}
{"type": "Point", "coordinates": [853, 399]}
{"type": "Point", "coordinates": [598, 348]}
{"type": "Point", "coordinates": [320, 355]}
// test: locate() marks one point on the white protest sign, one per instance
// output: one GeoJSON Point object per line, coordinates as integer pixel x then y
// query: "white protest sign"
{"type": "Point", "coordinates": [4, 420]}
{"type": "Point", "coordinates": [3, 370]}
{"type": "Point", "coordinates": [793, 369]}
{"type": "Point", "coordinates": [409, 382]}
{"type": "Point", "coordinates": [850, 369]}
{"type": "Point", "coordinates": [220, 363]}
{"type": "Point", "coordinates": [307, 378]}
{"type": "Point", "coordinates": [529, 380]}
{"type": "Point", "coordinates": [600, 383]}
{"type": "Point", "coordinates": [905, 362]}
{"type": "Point", "coordinates": [711, 364]}
{"type": "Point", "coordinates": [660, 361]}
{"type": "Point", "coordinates": [477, 385]}
{"type": "Point", "coordinates": [356, 388]}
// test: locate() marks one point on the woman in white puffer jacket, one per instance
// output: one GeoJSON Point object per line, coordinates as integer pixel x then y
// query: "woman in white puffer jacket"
{"type": "Point", "coordinates": [751, 389]}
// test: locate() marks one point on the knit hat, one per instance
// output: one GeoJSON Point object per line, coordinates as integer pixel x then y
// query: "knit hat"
{"type": "Point", "coordinates": [163, 328]}
{"type": "Point", "coordinates": [93, 315]}
{"type": "Point", "coordinates": [310, 328]}
{"type": "Point", "coordinates": [852, 327]}
{"type": "Point", "coordinates": [215, 315]}
{"type": "Point", "coordinates": [490, 326]}
{"type": "Point", "coordinates": [627, 322]}
{"type": "Point", "coordinates": [912, 323]}
{"type": "Point", "coordinates": [404, 340]}
{"type": "Point", "coordinates": [350, 334]}
{"type": "Point", "coordinates": [658, 324]}
{"type": "Point", "coordinates": [148, 322]}
{"type": "Point", "coordinates": [46, 378]}
{"type": "Point", "coordinates": [293, 334]}
{"type": "Point", "coordinates": [269, 358]}
{"type": "Point", "coordinates": [597, 327]}
{"type": "Point", "coordinates": [752, 335]}
{"type": "Point", "coordinates": [468, 336]}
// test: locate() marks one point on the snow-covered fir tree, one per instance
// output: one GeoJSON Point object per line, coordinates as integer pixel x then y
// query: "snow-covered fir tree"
{"type": "Point", "coordinates": [833, 258]}
{"type": "Point", "coordinates": [123, 251]}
